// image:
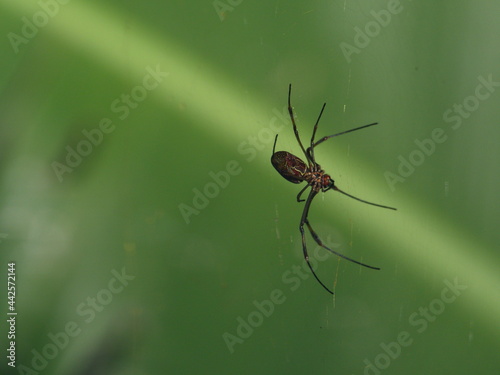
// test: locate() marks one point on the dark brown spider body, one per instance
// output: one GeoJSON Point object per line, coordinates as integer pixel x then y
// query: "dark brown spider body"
{"type": "Point", "coordinates": [295, 170]}
{"type": "Point", "coordinates": [318, 179]}
{"type": "Point", "coordinates": [289, 166]}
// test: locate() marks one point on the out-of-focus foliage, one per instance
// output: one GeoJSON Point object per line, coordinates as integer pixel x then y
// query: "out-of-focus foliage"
{"type": "Point", "coordinates": [152, 235]}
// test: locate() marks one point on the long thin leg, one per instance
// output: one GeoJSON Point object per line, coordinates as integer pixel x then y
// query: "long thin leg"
{"type": "Point", "coordinates": [361, 200]}
{"type": "Point", "coordinates": [295, 130]}
{"type": "Point", "coordinates": [275, 140]}
{"type": "Point", "coordinates": [320, 243]}
{"type": "Point", "coordinates": [344, 132]}
{"type": "Point", "coordinates": [312, 194]}
{"type": "Point", "coordinates": [300, 193]}
{"type": "Point", "coordinates": [310, 150]}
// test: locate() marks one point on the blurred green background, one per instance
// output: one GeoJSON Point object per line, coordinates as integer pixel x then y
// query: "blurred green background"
{"type": "Point", "coordinates": [118, 271]}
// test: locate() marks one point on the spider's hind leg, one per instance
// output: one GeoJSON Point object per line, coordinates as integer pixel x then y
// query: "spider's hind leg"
{"type": "Point", "coordinates": [295, 129]}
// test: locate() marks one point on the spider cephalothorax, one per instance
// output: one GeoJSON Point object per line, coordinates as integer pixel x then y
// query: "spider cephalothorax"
{"type": "Point", "coordinates": [318, 180]}
{"type": "Point", "coordinates": [295, 170]}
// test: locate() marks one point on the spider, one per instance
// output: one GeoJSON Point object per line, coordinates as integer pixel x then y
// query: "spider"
{"type": "Point", "coordinates": [293, 169]}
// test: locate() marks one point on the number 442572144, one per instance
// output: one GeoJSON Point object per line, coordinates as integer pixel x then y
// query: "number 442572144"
{"type": "Point", "coordinates": [11, 286]}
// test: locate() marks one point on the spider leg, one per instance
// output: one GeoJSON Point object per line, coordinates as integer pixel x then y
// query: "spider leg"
{"type": "Point", "coordinates": [300, 193]}
{"type": "Point", "coordinates": [362, 200]}
{"type": "Point", "coordinates": [310, 150]}
{"type": "Point", "coordinates": [344, 132]}
{"type": "Point", "coordinates": [275, 140]}
{"type": "Point", "coordinates": [295, 130]}
{"type": "Point", "coordinates": [320, 243]}
{"type": "Point", "coordinates": [304, 220]}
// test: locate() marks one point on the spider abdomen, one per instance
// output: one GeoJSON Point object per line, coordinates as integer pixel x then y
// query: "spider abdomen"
{"type": "Point", "coordinates": [289, 166]}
